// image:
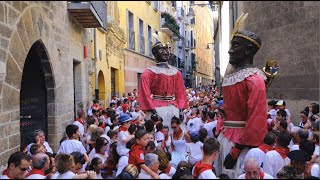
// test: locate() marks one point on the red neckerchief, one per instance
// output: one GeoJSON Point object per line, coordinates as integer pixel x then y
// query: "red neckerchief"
{"type": "Point", "coordinates": [80, 121]}
{"type": "Point", "coordinates": [261, 174]}
{"type": "Point", "coordinates": [5, 172]}
{"type": "Point", "coordinates": [283, 151]}
{"type": "Point", "coordinates": [199, 168]}
{"type": "Point", "coordinates": [122, 128]}
{"type": "Point", "coordinates": [167, 170]}
{"type": "Point", "coordinates": [265, 148]}
{"type": "Point", "coordinates": [35, 171]}
{"type": "Point", "coordinates": [177, 134]}
{"type": "Point", "coordinates": [105, 116]}
{"type": "Point", "coordinates": [94, 105]}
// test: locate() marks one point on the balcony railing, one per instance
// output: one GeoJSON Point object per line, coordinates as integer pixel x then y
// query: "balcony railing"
{"type": "Point", "coordinates": [131, 39]}
{"type": "Point", "coordinates": [165, 29]}
{"type": "Point", "coordinates": [150, 48]}
{"type": "Point", "coordinates": [90, 14]}
{"type": "Point", "coordinates": [180, 13]}
{"type": "Point", "coordinates": [141, 45]}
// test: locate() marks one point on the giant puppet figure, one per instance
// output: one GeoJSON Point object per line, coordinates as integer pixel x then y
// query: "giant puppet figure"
{"type": "Point", "coordinates": [161, 88]}
{"type": "Point", "coordinates": [244, 124]}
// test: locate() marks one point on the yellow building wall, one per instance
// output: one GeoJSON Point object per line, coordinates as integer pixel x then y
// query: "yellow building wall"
{"type": "Point", "coordinates": [144, 11]}
{"type": "Point", "coordinates": [203, 31]}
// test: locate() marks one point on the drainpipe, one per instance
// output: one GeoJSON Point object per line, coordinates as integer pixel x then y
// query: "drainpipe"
{"type": "Point", "coordinates": [96, 91]}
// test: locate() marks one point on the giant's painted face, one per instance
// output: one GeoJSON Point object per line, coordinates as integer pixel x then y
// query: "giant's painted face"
{"type": "Point", "coordinates": [237, 51]}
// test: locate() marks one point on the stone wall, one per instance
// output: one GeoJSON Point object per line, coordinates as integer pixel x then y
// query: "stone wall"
{"type": "Point", "coordinates": [289, 32]}
{"type": "Point", "coordinates": [22, 24]}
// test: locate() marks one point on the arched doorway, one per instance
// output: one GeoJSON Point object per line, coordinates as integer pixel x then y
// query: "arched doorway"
{"type": "Point", "coordinates": [36, 92]}
{"type": "Point", "coordinates": [102, 89]}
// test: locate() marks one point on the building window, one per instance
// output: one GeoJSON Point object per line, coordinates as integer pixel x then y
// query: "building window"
{"type": "Point", "coordinates": [139, 78]}
{"type": "Point", "coordinates": [156, 5]}
{"type": "Point", "coordinates": [113, 82]}
{"type": "Point", "coordinates": [141, 38]}
{"type": "Point", "coordinates": [130, 31]}
{"type": "Point", "coordinates": [149, 30]}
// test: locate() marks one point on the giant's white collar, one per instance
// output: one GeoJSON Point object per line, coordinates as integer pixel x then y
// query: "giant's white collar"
{"type": "Point", "coordinates": [239, 76]}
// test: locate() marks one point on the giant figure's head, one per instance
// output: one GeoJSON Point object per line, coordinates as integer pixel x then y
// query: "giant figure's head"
{"type": "Point", "coordinates": [244, 45]}
{"type": "Point", "coordinates": [161, 53]}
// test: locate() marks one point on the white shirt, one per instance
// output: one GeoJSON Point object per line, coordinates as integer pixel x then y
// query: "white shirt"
{"type": "Point", "coordinates": [273, 113]}
{"type": "Point", "coordinates": [122, 163]}
{"type": "Point", "coordinates": [294, 147]}
{"type": "Point", "coordinates": [121, 146]}
{"type": "Point", "coordinates": [208, 174]}
{"type": "Point", "coordinates": [266, 176]}
{"type": "Point", "coordinates": [315, 170]}
{"type": "Point", "coordinates": [4, 177]}
{"type": "Point", "coordinates": [66, 175]}
{"type": "Point", "coordinates": [256, 153]}
{"type": "Point", "coordinates": [69, 146]}
{"type": "Point", "coordinates": [317, 150]}
{"type": "Point", "coordinates": [195, 152]}
{"type": "Point", "coordinates": [144, 175]}
{"type": "Point", "coordinates": [81, 127]}
{"type": "Point", "coordinates": [194, 124]}
{"type": "Point", "coordinates": [209, 126]}
{"type": "Point", "coordinates": [46, 145]}
{"type": "Point", "coordinates": [159, 136]}
{"type": "Point", "coordinates": [36, 176]}
{"type": "Point", "coordinates": [273, 162]}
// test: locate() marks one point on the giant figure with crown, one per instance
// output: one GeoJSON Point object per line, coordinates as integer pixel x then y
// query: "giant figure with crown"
{"type": "Point", "coordinates": [244, 123]}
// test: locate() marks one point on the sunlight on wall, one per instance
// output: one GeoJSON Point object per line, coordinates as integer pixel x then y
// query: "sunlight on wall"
{"type": "Point", "coordinates": [225, 38]}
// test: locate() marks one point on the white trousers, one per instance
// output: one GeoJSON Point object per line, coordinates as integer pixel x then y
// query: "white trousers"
{"type": "Point", "coordinates": [225, 147]}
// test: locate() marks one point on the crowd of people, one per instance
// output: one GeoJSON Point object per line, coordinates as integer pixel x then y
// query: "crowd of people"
{"type": "Point", "coordinates": [119, 142]}
{"type": "Point", "coordinates": [167, 132]}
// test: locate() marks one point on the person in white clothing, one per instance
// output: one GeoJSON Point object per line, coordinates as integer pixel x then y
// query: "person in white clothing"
{"type": "Point", "coordinates": [124, 136]}
{"type": "Point", "coordinates": [253, 171]}
{"type": "Point", "coordinates": [211, 123]}
{"type": "Point", "coordinates": [203, 168]}
{"type": "Point", "coordinates": [40, 163]}
{"type": "Point", "coordinates": [276, 159]}
{"type": "Point", "coordinates": [282, 105]}
{"type": "Point", "coordinates": [194, 122]}
{"type": "Point", "coordinates": [80, 122]}
{"type": "Point", "coordinates": [194, 148]}
{"type": "Point", "coordinates": [40, 138]}
{"type": "Point", "coordinates": [151, 161]}
{"type": "Point", "coordinates": [18, 164]}
{"type": "Point", "coordinates": [259, 153]}
{"type": "Point", "coordinates": [72, 144]}
{"type": "Point", "coordinates": [65, 166]}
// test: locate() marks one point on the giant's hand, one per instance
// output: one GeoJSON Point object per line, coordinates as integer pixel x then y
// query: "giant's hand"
{"type": "Point", "coordinates": [232, 157]}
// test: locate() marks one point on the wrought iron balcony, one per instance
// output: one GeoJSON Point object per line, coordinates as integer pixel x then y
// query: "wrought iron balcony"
{"type": "Point", "coordinates": [90, 14]}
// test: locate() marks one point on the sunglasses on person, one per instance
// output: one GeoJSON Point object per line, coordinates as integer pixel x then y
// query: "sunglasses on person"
{"type": "Point", "coordinates": [22, 169]}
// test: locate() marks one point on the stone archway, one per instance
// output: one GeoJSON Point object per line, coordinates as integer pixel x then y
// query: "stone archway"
{"type": "Point", "coordinates": [102, 87]}
{"type": "Point", "coordinates": [35, 93]}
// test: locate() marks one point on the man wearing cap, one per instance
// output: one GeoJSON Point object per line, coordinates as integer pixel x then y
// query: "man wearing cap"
{"type": "Point", "coordinates": [161, 88]}
{"type": "Point", "coordinates": [244, 101]}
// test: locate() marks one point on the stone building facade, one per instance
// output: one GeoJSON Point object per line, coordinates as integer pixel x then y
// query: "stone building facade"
{"type": "Point", "coordinates": [290, 33]}
{"type": "Point", "coordinates": [42, 68]}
